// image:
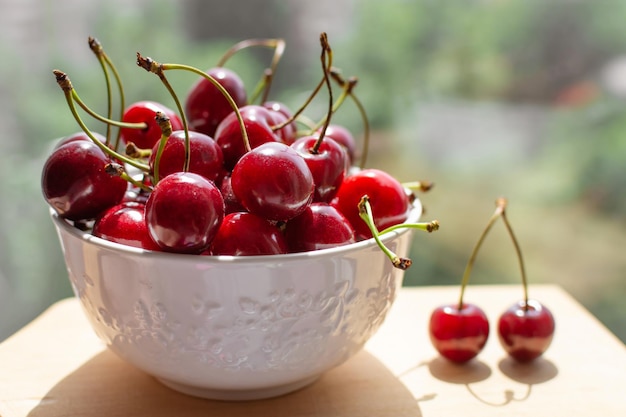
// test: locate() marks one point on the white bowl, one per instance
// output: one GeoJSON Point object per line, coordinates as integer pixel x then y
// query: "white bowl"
{"type": "Point", "coordinates": [234, 328]}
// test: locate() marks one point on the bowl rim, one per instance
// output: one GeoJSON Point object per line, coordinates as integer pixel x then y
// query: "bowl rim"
{"type": "Point", "coordinates": [61, 224]}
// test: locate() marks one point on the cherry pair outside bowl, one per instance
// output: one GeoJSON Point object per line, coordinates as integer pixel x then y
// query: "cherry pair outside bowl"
{"type": "Point", "coordinates": [234, 328]}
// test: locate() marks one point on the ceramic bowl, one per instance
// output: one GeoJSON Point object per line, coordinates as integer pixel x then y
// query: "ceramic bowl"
{"type": "Point", "coordinates": [234, 328]}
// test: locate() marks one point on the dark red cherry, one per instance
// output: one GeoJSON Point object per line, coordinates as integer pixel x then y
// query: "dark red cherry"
{"type": "Point", "coordinates": [206, 156]}
{"type": "Point", "coordinates": [525, 330]}
{"type": "Point", "coordinates": [342, 136]}
{"type": "Point", "coordinates": [183, 212]}
{"type": "Point", "coordinates": [79, 136]}
{"type": "Point", "coordinates": [125, 224]}
{"type": "Point", "coordinates": [328, 164]}
{"type": "Point", "coordinates": [320, 226]}
{"type": "Point", "coordinates": [231, 204]}
{"type": "Point", "coordinates": [206, 106]}
{"type": "Point", "coordinates": [145, 112]}
{"type": "Point", "coordinates": [246, 234]}
{"type": "Point", "coordinates": [74, 181]}
{"type": "Point", "coordinates": [273, 181]}
{"type": "Point", "coordinates": [258, 122]}
{"type": "Point", "coordinates": [282, 113]}
{"type": "Point", "coordinates": [388, 199]}
{"type": "Point", "coordinates": [458, 334]}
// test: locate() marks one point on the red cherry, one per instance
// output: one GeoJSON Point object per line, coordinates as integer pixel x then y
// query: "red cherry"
{"type": "Point", "coordinates": [525, 330]}
{"type": "Point", "coordinates": [273, 181]}
{"type": "Point", "coordinates": [183, 212]}
{"type": "Point", "coordinates": [75, 184]}
{"type": "Point", "coordinates": [231, 203]}
{"type": "Point", "coordinates": [328, 165]}
{"type": "Point", "coordinates": [459, 334]}
{"type": "Point", "coordinates": [206, 156]}
{"type": "Point", "coordinates": [206, 106]}
{"type": "Point", "coordinates": [389, 201]}
{"type": "Point", "coordinates": [342, 136]}
{"type": "Point", "coordinates": [320, 226]}
{"type": "Point", "coordinates": [245, 234]}
{"type": "Point", "coordinates": [281, 113]}
{"type": "Point", "coordinates": [125, 224]}
{"type": "Point", "coordinates": [144, 112]}
{"type": "Point", "coordinates": [258, 122]}
{"type": "Point", "coordinates": [79, 136]}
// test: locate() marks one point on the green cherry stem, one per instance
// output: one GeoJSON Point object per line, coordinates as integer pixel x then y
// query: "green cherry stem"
{"type": "Point", "coordinates": [96, 48]}
{"type": "Point", "coordinates": [422, 186]}
{"type": "Point", "coordinates": [326, 59]}
{"type": "Point", "coordinates": [166, 131]}
{"type": "Point", "coordinates": [152, 66]}
{"type": "Point", "coordinates": [366, 124]}
{"type": "Point", "coordinates": [500, 205]}
{"type": "Point", "coordinates": [106, 120]}
{"type": "Point", "coordinates": [102, 56]}
{"type": "Point", "coordinates": [118, 170]}
{"type": "Point", "coordinates": [316, 90]}
{"type": "Point", "coordinates": [365, 212]}
{"type": "Point", "coordinates": [66, 85]}
{"type": "Point", "coordinates": [156, 68]}
{"type": "Point", "coordinates": [278, 45]}
{"type": "Point", "coordinates": [518, 250]}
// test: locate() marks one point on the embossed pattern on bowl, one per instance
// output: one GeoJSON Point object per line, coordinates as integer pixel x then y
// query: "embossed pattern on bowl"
{"type": "Point", "coordinates": [233, 328]}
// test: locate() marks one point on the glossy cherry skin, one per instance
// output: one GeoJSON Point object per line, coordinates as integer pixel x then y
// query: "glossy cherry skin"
{"type": "Point", "coordinates": [525, 330]}
{"type": "Point", "coordinates": [145, 112]}
{"type": "Point", "coordinates": [75, 184]}
{"type": "Point", "coordinates": [246, 234]}
{"type": "Point", "coordinates": [320, 226]}
{"type": "Point", "coordinates": [79, 136]}
{"type": "Point", "coordinates": [459, 335]}
{"type": "Point", "coordinates": [231, 204]}
{"type": "Point", "coordinates": [342, 136]}
{"type": "Point", "coordinates": [183, 212]}
{"type": "Point", "coordinates": [273, 181]}
{"type": "Point", "coordinates": [206, 106]}
{"type": "Point", "coordinates": [282, 113]}
{"type": "Point", "coordinates": [125, 223]}
{"type": "Point", "coordinates": [258, 122]}
{"type": "Point", "coordinates": [388, 199]}
{"type": "Point", "coordinates": [206, 156]}
{"type": "Point", "coordinates": [328, 165]}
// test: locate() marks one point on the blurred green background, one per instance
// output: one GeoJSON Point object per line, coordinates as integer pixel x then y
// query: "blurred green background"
{"type": "Point", "coordinates": [486, 98]}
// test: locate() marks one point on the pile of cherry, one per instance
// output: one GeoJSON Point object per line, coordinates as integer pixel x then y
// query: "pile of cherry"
{"type": "Point", "coordinates": [227, 174]}
{"type": "Point", "coordinates": [223, 175]}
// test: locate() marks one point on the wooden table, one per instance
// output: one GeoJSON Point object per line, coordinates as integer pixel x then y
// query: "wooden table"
{"type": "Point", "coordinates": [55, 366]}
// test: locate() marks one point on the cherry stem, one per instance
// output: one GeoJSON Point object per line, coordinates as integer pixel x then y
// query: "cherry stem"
{"type": "Point", "coordinates": [346, 89]}
{"type": "Point", "coordinates": [166, 132]}
{"type": "Point", "coordinates": [518, 251]}
{"type": "Point", "coordinates": [134, 152]}
{"type": "Point", "coordinates": [422, 186]}
{"type": "Point", "coordinates": [152, 66]}
{"type": "Point", "coordinates": [118, 170]}
{"type": "Point", "coordinates": [260, 87]}
{"type": "Point", "coordinates": [107, 121]}
{"type": "Point", "coordinates": [429, 227]}
{"type": "Point", "coordinates": [318, 87]}
{"type": "Point", "coordinates": [500, 205]}
{"type": "Point", "coordinates": [366, 124]}
{"type": "Point", "coordinates": [103, 58]}
{"type": "Point", "coordinates": [66, 85]}
{"type": "Point", "coordinates": [96, 48]}
{"type": "Point", "coordinates": [365, 212]}
{"type": "Point", "coordinates": [326, 59]}
{"type": "Point", "coordinates": [279, 49]}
